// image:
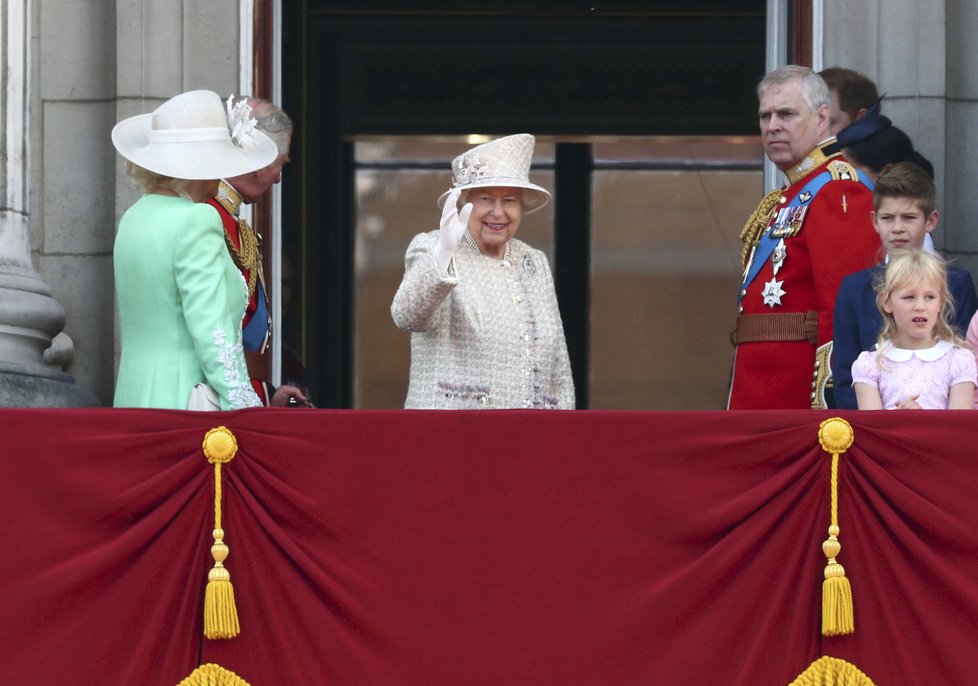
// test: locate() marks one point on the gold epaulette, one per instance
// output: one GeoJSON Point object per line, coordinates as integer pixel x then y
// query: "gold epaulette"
{"type": "Point", "coordinates": [842, 171]}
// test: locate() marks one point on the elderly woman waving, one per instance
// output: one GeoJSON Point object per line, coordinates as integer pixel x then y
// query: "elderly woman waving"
{"type": "Point", "coordinates": [480, 304]}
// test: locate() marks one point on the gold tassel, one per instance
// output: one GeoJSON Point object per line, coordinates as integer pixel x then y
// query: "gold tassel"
{"type": "Point", "coordinates": [831, 671]}
{"type": "Point", "coordinates": [835, 436]}
{"type": "Point", "coordinates": [220, 612]}
{"type": "Point", "coordinates": [211, 674]}
{"type": "Point", "coordinates": [837, 617]}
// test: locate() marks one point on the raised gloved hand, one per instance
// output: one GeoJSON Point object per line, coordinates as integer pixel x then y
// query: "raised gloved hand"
{"type": "Point", "coordinates": [454, 223]}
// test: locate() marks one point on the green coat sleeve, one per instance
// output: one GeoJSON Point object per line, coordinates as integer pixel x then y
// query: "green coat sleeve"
{"type": "Point", "coordinates": [212, 294]}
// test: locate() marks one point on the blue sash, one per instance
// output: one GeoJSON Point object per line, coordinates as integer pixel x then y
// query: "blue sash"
{"type": "Point", "coordinates": [255, 332]}
{"type": "Point", "coordinates": [769, 241]}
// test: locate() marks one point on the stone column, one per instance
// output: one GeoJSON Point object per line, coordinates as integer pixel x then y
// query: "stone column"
{"type": "Point", "coordinates": [961, 202]}
{"type": "Point", "coordinates": [29, 317]}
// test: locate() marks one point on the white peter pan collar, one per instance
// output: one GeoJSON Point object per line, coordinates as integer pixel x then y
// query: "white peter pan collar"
{"type": "Point", "coordinates": [927, 354]}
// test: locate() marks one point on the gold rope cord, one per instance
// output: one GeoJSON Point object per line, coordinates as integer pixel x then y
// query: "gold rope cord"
{"type": "Point", "coordinates": [835, 435]}
{"type": "Point", "coordinates": [757, 223]}
{"type": "Point", "coordinates": [248, 256]}
{"type": "Point", "coordinates": [220, 611]}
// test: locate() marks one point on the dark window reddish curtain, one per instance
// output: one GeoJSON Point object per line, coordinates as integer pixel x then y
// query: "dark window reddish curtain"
{"type": "Point", "coordinates": [801, 32]}
{"type": "Point", "coordinates": [484, 547]}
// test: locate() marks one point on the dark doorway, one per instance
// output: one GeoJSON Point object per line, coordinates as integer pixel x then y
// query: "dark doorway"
{"type": "Point", "coordinates": [584, 79]}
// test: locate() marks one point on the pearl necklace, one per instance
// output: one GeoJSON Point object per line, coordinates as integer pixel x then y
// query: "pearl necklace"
{"type": "Point", "coordinates": [471, 241]}
{"type": "Point", "coordinates": [182, 193]}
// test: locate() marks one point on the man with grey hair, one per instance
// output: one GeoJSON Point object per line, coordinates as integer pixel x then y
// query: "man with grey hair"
{"type": "Point", "coordinates": [245, 245]}
{"type": "Point", "coordinates": [798, 244]}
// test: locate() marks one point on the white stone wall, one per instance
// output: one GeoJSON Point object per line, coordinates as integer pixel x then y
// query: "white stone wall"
{"type": "Point", "coordinates": [920, 53]}
{"type": "Point", "coordinates": [72, 200]}
{"type": "Point", "coordinates": [98, 61]}
{"type": "Point", "coordinates": [961, 214]}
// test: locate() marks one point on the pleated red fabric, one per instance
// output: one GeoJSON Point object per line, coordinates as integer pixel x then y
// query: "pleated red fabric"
{"type": "Point", "coordinates": [484, 548]}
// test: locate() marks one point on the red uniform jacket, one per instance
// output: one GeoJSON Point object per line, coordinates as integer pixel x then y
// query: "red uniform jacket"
{"type": "Point", "coordinates": [832, 236]}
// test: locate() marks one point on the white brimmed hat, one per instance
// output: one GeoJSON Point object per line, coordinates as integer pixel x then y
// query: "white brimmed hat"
{"type": "Point", "coordinates": [188, 137]}
{"type": "Point", "coordinates": [504, 162]}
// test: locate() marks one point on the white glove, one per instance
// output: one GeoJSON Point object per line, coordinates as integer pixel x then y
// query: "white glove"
{"type": "Point", "coordinates": [454, 223]}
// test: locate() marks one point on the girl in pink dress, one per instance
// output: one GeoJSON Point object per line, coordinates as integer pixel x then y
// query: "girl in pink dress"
{"type": "Point", "coordinates": [919, 362]}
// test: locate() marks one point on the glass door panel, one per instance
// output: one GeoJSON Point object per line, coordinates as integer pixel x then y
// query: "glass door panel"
{"type": "Point", "coordinates": [397, 182]}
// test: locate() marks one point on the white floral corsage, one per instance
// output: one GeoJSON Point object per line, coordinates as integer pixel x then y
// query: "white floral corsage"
{"type": "Point", "coordinates": [241, 123]}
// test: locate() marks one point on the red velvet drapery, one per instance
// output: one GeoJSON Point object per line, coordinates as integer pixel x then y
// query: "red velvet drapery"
{"type": "Point", "coordinates": [476, 548]}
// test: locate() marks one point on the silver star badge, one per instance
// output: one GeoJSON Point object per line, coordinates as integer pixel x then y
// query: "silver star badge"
{"type": "Point", "coordinates": [780, 252]}
{"type": "Point", "coordinates": [772, 293]}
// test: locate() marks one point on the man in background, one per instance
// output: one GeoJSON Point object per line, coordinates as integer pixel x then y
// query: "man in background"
{"type": "Point", "coordinates": [852, 96]}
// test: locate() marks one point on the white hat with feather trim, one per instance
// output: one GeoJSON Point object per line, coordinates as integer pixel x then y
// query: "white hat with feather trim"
{"type": "Point", "coordinates": [191, 136]}
{"type": "Point", "coordinates": [504, 163]}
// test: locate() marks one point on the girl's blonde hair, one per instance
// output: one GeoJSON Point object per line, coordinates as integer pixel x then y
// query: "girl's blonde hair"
{"type": "Point", "coordinates": [908, 269]}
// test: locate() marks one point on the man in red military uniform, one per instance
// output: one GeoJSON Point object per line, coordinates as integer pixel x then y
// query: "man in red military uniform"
{"type": "Point", "coordinates": [244, 243]}
{"type": "Point", "coordinates": [798, 245]}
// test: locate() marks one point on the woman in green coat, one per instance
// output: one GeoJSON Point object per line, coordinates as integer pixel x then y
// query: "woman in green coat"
{"type": "Point", "coordinates": [181, 298]}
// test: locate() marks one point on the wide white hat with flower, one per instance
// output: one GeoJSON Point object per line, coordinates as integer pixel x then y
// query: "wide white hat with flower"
{"type": "Point", "coordinates": [192, 136]}
{"type": "Point", "coordinates": [503, 162]}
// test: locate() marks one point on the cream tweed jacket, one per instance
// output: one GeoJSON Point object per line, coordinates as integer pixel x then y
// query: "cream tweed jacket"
{"type": "Point", "coordinates": [486, 335]}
